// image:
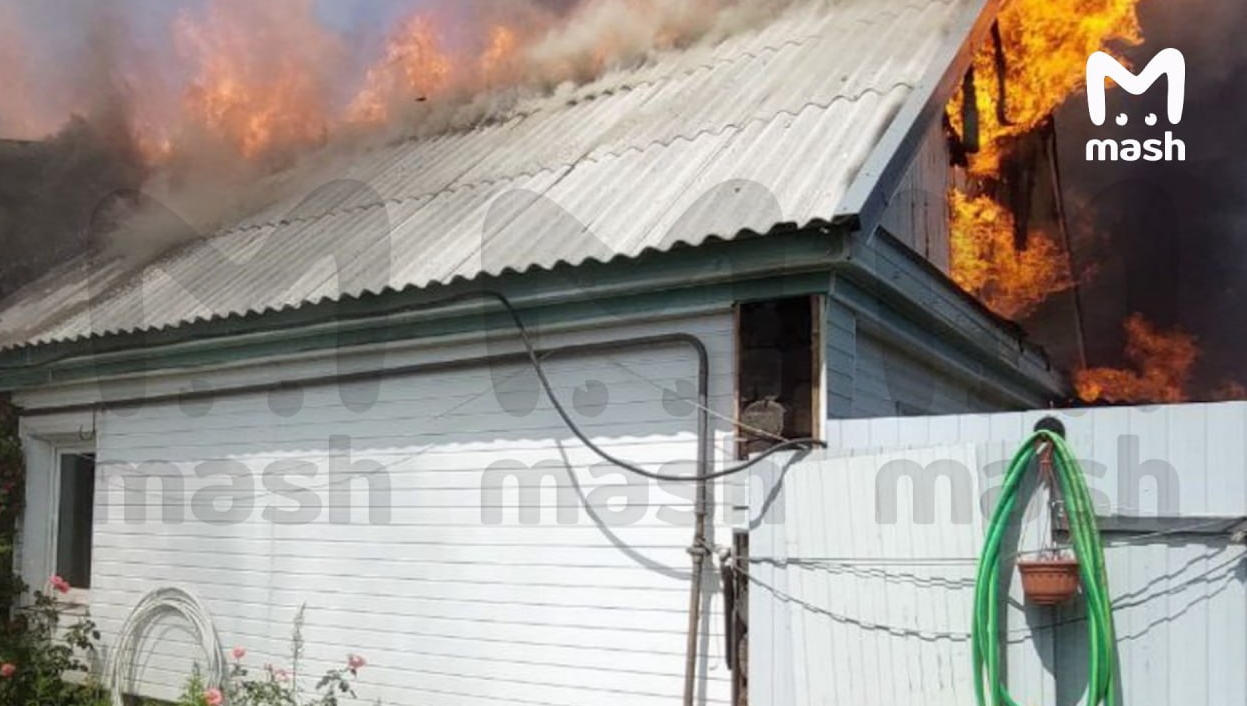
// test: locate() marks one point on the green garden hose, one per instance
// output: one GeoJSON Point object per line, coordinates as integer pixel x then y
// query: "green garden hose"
{"type": "Point", "coordinates": [989, 687]}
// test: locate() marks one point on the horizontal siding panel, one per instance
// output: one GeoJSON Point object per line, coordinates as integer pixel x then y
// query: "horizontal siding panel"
{"type": "Point", "coordinates": [378, 637]}
{"type": "Point", "coordinates": [512, 535]}
{"type": "Point", "coordinates": [442, 602]}
{"type": "Point", "coordinates": [291, 595]}
{"type": "Point", "coordinates": [635, 380]}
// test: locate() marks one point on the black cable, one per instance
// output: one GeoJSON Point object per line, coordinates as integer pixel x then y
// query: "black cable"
{"type": "Point", "coordinates": [606, 455]}
{"type": "Point", "coordinates": [535, 360]}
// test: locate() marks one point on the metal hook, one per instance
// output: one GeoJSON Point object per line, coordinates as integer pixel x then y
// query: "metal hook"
{"type": "Point", "coordinates": [83, 435]}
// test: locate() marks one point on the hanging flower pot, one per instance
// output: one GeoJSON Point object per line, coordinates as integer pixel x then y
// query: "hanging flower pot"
{"type": "Point", "coordinates": [1049, 581]}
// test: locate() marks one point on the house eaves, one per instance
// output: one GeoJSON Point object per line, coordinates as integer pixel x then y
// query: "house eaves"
{"type": "Point", "coordinates": [688, 280]}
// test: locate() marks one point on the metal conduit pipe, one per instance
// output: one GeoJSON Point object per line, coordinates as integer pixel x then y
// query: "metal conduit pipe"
{"type": "Point", "coordinates": [701, 509]}
{"type": "Point", "coordinates": [699, 548]}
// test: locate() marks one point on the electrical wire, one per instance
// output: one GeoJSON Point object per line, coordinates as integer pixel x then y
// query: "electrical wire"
{"type": "Point", "coordinates": [761, 433]}
{"type": "Point", "coordinates": [535, 361]}
{"type": "Point", "coordinates": [161, 602]}
{"type": "Point", "coordinates": [1185, 530]}
{"type": "Point", "coordinates": [803, 444]}
{"type": "Point", "coordinates": [1017, 635]}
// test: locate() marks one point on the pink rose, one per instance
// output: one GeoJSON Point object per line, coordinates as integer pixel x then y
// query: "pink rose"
{"type": "Point", "coordinates": [214, 697]}
{"type": "Point", "coordinates": [7, 670]}
{"type": "Point", "coordinates": [239, 653]}
{"type": "Point", "coordinates": [355, 662]}
{"type": "Point", "coordinates": [60, 584]}
{"type": "Point", "coordinates": [282, 675]}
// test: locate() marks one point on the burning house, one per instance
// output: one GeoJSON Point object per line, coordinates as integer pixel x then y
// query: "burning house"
{"type": "Point", "coordinates": [411, 387]}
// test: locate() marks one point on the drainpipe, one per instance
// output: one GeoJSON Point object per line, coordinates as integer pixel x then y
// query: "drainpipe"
{"type": "Point", "coordinates": [702, 542]}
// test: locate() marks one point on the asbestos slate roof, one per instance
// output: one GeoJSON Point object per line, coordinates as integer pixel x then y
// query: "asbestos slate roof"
{"type": "Point", "coordinates": [767, 127]}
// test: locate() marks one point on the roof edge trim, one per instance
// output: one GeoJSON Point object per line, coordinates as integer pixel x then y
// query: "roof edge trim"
{"type": "Point", "coordinates": [734, 263]}
{"type": "Point", "coordinates": [868, 195]}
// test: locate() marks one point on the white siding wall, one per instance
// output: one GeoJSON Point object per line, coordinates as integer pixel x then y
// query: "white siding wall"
{"type": "Point", "coordinates": [1180, 609]}
{"type": "Point", "coordinates": [448, 606]}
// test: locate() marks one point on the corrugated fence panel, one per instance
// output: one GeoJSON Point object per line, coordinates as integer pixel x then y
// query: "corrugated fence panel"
{"type": "Point", "coordinates": [856, 595]}
{"type": "Point", "coordinates": [1179, 460]}
{"type": "Point", "coordinates": [573, 591]}
{"type": "Point", "coordinates": [851, 615]}
{"type": "Point", "coordinates": [1180, 611]}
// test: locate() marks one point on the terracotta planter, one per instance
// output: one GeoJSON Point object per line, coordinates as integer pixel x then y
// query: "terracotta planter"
{"type": "Point", "coordinates": [1049, 581]}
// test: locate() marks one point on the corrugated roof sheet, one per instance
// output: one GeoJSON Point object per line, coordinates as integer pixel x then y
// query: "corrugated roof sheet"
{"type": "Point", "coordinates": [766, 127]}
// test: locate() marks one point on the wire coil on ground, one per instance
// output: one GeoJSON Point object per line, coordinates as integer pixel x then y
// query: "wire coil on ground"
{"type": "Point", "coordinates": [156, 604]}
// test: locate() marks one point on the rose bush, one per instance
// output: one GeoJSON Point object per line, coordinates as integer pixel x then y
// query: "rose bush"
{"type": "Point", "coordinates": [46, 660]}
{"type": "Point", "coordinates": [276, 686]}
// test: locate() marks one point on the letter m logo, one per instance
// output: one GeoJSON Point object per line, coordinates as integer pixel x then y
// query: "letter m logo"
{"type": "Point", "coordinates": [1168, 62]}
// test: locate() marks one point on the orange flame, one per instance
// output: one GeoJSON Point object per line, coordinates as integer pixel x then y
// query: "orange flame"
{"type": "Point", "coordinates": [265, 78]}
{"type": "Point", "coordinates": [414, 67]}
{"type": "Point", "coordinates": [987, 263]}
{"type": "Point", "coordinates": [1046, 44]}
{"type": "Point", "coordinates": [499, 56]}
{"type": "Point", "coordinates": [256, 83]}
{"type": "Point", "coordinates": [1162, 360]}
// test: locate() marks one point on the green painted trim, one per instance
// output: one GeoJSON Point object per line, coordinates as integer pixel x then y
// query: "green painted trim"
{"type": "Point", "coordinates": [716, 274]}
{"type": "Point", "coordinates": [971, 369]}
{"type": "Point", "coordinates": [889, 273]}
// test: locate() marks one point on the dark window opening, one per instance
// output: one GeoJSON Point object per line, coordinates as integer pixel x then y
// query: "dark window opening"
{"type": "Point", "coordinates": [75, 516]}
{"type": "Point", "coordinates": [776, 378]}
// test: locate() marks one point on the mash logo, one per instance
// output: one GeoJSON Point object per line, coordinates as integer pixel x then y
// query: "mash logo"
{"type": "Point", "coordinates": [1101, 67]}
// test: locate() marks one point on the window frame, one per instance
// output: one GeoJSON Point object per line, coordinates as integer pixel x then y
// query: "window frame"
{"type": "Point", "coordinates": [77, 447]}
{"type": "Point", "coordinates": [818, 365]}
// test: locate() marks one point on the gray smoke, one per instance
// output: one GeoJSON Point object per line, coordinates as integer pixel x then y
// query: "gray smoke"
{"type": "Point", "coordinates": [1170, 237]}
{"type": "Point", "coordinates": [82, 78]}
{"type": "Point", "coordinates": [50, 188]}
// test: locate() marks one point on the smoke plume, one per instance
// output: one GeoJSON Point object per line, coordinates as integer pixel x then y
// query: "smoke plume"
{"type": "Point", "coordinates": [1169, 237]}
{"type": "Point", "coordinates": [196, 103]}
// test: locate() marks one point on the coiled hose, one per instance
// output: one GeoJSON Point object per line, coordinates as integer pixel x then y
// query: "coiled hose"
{"type": "Point", "coordinates": [990, 689]}
{"type": "Point", "coordinates": [158, 603]}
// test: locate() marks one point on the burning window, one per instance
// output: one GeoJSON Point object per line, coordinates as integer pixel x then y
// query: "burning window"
{"type": "Point", "coordinates": [1034, 59]}
{"type": "Point", "coordinates": [1001, 128]}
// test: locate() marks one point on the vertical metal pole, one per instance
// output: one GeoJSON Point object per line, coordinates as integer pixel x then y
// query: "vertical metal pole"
{"type": "Point", "coordinates": [701, 543]}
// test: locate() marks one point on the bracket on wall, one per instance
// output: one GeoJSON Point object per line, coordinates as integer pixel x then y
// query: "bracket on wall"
{"type": "Point", "coordinates": [83, 435]}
